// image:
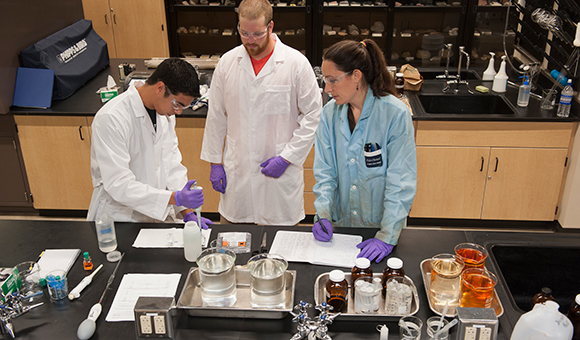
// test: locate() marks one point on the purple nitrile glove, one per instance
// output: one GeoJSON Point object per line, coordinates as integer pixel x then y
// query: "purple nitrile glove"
{"type": "Point", "coordinates": [189, 198]}
{"type": "Point", "coordinates": [374, 248]}
{"type": "Point", "coordinates": [318, 230]}
{"type": "Point", "coordinates": [274, 167]}
{"type": "Point", "coordinates": [217, 176]}
{"type": "Point", "coordinates": [191, 216]}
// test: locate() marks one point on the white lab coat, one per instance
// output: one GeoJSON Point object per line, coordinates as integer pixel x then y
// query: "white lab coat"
{"type": "Point", "coordinates": [134, 168]}
{"type": "Point", "coordinates": [275, 113]}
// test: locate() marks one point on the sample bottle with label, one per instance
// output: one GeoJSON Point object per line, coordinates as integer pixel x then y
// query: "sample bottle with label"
{"type": "Point", "coordinates": [336, 291]}
{"type": "Point", "coordinates": [566, 100]}
{"type": "Point", "coordinates": [400, 84]}
{"type": "Point", "coordinates": [394, 268]}
{"type": "Point", "coordinates": [362, 267]}
{"type": "Point", "coordinates": [191, 241]}
{"type": "Point", "coordinates": [543, 296]}
{"type": "Point", "coordinates": [524, 94]}
{"type": "Point", "coordinates": [574, 316]}
{"type": "Point", "coordinates": [87, 261]}
{"type": "Point", "coordinates": [106, 233]}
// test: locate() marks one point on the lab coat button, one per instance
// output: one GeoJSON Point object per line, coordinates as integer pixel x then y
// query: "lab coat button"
{"type": "Point", "coordinates": [352, 160]}
{"type": "Point", "coordinates": [354, 213]}
{"type": "Point", "coordinates": [354, 187]}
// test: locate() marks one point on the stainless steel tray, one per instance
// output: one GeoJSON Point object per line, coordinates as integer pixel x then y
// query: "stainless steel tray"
{"type": "Point", "coordinates": [190, 298]}
{"type": "Point", "coordinates": [451, 312]}
{"type": "Point", "coordinates": [320, 296]}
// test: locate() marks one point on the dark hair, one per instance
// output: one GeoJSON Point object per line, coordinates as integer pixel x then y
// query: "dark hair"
{"type": "Point", "coordinates": [366, 56]}
{"type": "Point", "coordinates": [178, 76]}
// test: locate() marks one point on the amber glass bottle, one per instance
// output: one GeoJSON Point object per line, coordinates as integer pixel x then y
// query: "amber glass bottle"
{"type": "Point", "coordinates": [394, 268]}
{"type": "Point", "coordinates": [543, 296]}
{"type": "Point", "coordinates": [362, 267]}
{"type": "Point", "coordinates": [574, 316]}
{"type": "Point", "coordinates": [336, 291]}
{"type": "Point", "coordinates": [400, 84]}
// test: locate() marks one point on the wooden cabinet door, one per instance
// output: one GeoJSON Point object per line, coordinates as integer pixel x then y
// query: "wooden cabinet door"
{"type": "Point", "coordinates": [57, 156]}
{"type": "Point", "coordinates": [450, 182]}
{"type": "Point", "coordinates": [523, 184]}
{"type": "Point", "coordinates": [99, 12]}
{"type": "Point", "coordinates": [140, 28]}
{"type": "Point", "coordinates": [190, 135]}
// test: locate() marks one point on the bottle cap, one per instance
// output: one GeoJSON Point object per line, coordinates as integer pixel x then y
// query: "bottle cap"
{"type": "Point", "coordinates": [362, 263]}
{"type": "Point", "coordinates": [336, 275]}
{"type": "Point", "coordinates": [399, 74]}
{"type": "Point", "coordinates": [577, 299]}
{"type": "Point", "coordinates": [395, 263]}
{"type": "Point", "coordinates": [86, 255]}
{"type": "Point", "coordinates": [114, 256]}
{"type": "Point", "coordinates": [546, 291]}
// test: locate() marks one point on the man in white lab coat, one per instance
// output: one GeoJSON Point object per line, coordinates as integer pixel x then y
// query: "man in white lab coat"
{"type": "Point", "coordinates": [266, 103]}
{"type": "Point", "coordinates": [135, 160]}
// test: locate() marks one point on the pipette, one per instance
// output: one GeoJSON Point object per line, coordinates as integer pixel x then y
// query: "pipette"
{"type": "Point", "coordinates": [87, 328]}
{"type": "Point", "coordinates": [198, 209]}
{"type": "Point", "coordinates": [76, 292]}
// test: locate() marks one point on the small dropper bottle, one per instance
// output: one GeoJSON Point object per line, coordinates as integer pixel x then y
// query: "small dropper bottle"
{"type": "Point", "coordinates": [87, 261]}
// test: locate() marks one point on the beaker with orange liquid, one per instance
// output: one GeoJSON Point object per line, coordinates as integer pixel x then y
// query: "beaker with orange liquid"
{"type": "Point", "coordinates": [477, 288]}
{"type": "Point", "coordinates": [473, 255]}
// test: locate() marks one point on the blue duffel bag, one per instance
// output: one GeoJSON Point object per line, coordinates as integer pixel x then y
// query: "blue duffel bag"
{"type": "Point", "coordinates": [76, 54]}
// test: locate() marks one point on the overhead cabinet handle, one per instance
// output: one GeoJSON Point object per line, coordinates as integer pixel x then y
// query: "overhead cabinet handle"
{"type": "Point", "coordinates": [81, 132]}
{"type": "Point", "coordinates": [106, 22]}
{"type": "Point", "coordinates": [496, 162]}
{"type": "Point", "coordinates": [482, 160]}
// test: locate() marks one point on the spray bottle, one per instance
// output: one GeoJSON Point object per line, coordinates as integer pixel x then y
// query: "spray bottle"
{"type": "Point", "coordinates": [524, 94]}
{"type": "Point", "coordinates": [501, 78]}
{"type": "Point", "coordinates": [489, 73]}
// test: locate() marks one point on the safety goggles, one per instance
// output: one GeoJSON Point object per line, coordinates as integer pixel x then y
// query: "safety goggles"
{"type": "Point", "coordinates": [177, 105]}
{"type": "Point", "coordinates": [255, 35]}
{"type": "Point", "coordinates": [332, 81]}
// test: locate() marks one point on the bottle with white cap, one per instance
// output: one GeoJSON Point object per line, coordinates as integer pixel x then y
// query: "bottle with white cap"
{"type": "Point", "coordinates": [489, 73]}
{"type": "Point", "coordinates": [336, 290]}
{"type": "Point", "coordinates": [394, 268]}
{"type": "Point", "coordinates": [501, 78]}
{"type": "Point", "coordinates": [543, 322]}
{"type": "Point", "coordinates": [191, 241]}
{"type": "Point", "coordinates": [362, 267]}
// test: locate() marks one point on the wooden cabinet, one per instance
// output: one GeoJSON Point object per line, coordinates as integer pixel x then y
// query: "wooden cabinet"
{"type": "Point", "coordinates": [131, 28]}
{"type": "Point", "coordinates": [490, 170]}
{"type": "Point", "coordinates": [13, 189]}
{"type": "Point", "coordinates": [56, 152]}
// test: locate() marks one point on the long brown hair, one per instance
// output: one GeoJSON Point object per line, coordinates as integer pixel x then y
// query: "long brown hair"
{"type": "Point", "coordinates": [366, 56]}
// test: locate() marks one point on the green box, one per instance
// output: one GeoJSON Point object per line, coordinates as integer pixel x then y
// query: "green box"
{"type": "Point", "coordinates": [9, 280]}
{"type": "Point", "coordinates": [108, 95]}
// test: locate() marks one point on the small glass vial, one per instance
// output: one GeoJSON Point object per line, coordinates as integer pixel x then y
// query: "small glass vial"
{"type": "Point", "coordinates": [87, 261]}
{"type": "Point", "coordinates": [400, 84]}
{"type": "Point", "coordinates": [362, 267]}
{"type": "Point", "coordinates": [336, 291]}
{"type": "Point", "coordinates": [543, 296]}
{"type": "Point", "coordinates": [394, 268]}
{"type": "Point", "coordinates": [574, 316]}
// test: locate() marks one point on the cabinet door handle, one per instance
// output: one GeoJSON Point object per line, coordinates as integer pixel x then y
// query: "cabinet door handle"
{"type": "Point", "coordinates": [115, 18]}
{"type": "Point", "coordinates": [482, 160]}
{"type": "Point", "coordinates": [81, 132]}
{"type": "Point", "coordinates": [106, 22]}
{"type": "Point", "coordinates": [496, 162]}
{"type": "Point", "coordinates": [308, 9]}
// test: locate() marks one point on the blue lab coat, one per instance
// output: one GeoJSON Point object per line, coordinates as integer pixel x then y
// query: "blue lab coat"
{"type": "Point", "coordinates": [376, 188]}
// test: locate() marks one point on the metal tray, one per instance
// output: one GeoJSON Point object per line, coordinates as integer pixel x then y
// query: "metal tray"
{"type": "Point", "coordinates": [451, 312]}
{"type": "Point", "coordinates": [190, 298]}
{"type": "Point", "coordinates": [320, 296]}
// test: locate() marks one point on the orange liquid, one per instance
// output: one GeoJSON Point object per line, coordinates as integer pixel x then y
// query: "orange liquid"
{"type": "Point", "coordinates": [476, 291]}
{"type": "Point", "coordinates": [473, 258]}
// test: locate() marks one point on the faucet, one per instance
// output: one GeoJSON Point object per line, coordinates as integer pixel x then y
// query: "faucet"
{"type": "Point", "coordinates": [445, 74]}
{"type": "Point", "coordinates": [309, 329]}
{"type": "Point", "coordinates": [12, 308]}
{"type": "Point", "coordinates": [457, 81]}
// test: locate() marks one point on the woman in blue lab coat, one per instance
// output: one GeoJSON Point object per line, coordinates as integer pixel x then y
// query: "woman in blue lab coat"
{"type": "Point", "coordinates": [365, 162]}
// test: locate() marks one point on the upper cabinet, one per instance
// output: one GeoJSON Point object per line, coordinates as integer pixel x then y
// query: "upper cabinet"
{"type": "Point", "coordinates": [131, 28]}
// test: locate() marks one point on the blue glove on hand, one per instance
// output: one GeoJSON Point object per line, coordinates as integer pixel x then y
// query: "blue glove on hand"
{"type": "Point", "coordinates": [374, 248]}
{"type": "Point", "coordinates": [318, 231]}
{"type": "Point", "coordinates": [217, 176]}
{"type": "Point", "coordinates": [189, 198]}
{"type": "Point", "coordinates": [274, 167]}
{"type": "Point", "coordinates": [191, 216]}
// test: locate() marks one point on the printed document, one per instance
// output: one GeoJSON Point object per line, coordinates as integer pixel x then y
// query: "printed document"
{"type": "Point", "coordinates": [166, 238]}
{"type": "Point", "coordinates": [295, 246]}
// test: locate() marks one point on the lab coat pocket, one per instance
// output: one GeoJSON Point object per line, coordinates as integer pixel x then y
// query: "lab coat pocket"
{"type": "Point", "coordinates": [374, 159]}
{"type": "Point", "coordinates": [230, 158]}
{"type": "Point", "coordinates": [278, 99]}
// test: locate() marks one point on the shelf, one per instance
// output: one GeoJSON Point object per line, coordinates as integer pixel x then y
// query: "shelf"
{"type": "Point", "coordinates": [428, 9]}
{"type": "Point", "coordinates": [204, 8]}
{"type": "Point", "coordinates": [357, 9]}
{"type": "Point", "coordinates": [493, 9]}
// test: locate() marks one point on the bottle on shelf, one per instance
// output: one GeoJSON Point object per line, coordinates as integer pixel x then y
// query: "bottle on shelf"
{"type": "Point", "coordinates": [362, 267]}
{"type": "Point", "coordinates": [400, 84]}
{"type": "Point", "coordinates": [565, 100]}
{"type": "Point", "coordinates": [394, 268]}
{"type": "Point", "coordinates": [336, 290]}
{"type": "Point", "coordinates": [524, 94]}
{"type": "Point", "coordinates": [87, 261]}
{"type": "Point", "coordinates": [574, 316]}
{"type": "Point", "coordinates": [191, 241]}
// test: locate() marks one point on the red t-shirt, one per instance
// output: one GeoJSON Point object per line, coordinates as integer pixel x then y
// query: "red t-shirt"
{"type": "Point", "coordinates": [259, 64]}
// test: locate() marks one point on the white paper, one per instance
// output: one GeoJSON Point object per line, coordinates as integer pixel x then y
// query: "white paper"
{"type": "Point", "coordinates": [53, 259]}
{"type": "Point", "coordinates": [135, 285]}
{"type": "Point", "coordinates": [166, 238]}
{"type": "Point", "coordinates": [340, 251]}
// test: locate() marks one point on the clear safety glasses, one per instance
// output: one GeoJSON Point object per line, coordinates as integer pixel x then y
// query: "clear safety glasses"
{"type": "Point", "coordinates": [177, 105]}
{"type": "Point", "coordinates": [255, 35]}
{"type": "Point", "coordinates": [332, 81]}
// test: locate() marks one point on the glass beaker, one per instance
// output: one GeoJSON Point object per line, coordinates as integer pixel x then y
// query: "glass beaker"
{"type": "Point", "coordinates": [433, 324]}
{"type": "Point", "coordinates": [29, 276]}
{"type": "Point", "coordinates": [367, 297]}
{"type": "Point", "coordinates": [398, 296]}
{"type": "Point", "coordinates": [473, 255]}
{"type": "Point", "coordinates": [445, 280]}
{"type": "Point", "coordinates": [217, 277]}
{"type": "Point", "coordinates": [548, 99]}
{"type": "Point", "coordinates": [477, 287]}
{"type": "Point", "coordinates": [267, 280]}
{"type": "Point", "coordinates": [413, 329]}
{"type": "Point", "coordinates": [57, 284]}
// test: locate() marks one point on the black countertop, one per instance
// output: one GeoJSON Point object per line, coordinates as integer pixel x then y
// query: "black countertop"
{"type": "Point", "coordinates": [24, 240]}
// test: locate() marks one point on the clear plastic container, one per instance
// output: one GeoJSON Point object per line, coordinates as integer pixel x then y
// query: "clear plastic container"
{"type": "Point", "coordinates": [543, 322]}
{"type": "Point", "coordinates": [106, 233]}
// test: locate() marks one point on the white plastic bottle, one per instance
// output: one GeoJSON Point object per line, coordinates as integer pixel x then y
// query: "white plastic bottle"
{"type": "Point", "coordinates": [524, 94]}
{"type": "Point", "coordinates": [489, 73]}
{"type": "Point", "coordinates": [566, 100]}
{"type": "Point", "coordinates": [543, 322]}
{"type": "Point", "coordinates": [191, 241]}
{"type": "Point", "coordinates": [501, 78]}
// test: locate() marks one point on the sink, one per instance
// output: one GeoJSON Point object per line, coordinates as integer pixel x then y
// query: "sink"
{"type": "Point", "coordinates": [465, 75]}
{"type": "Point", "coordinates": [465, 104]}
{"type": "Point", "coordinates": [527, 269]}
